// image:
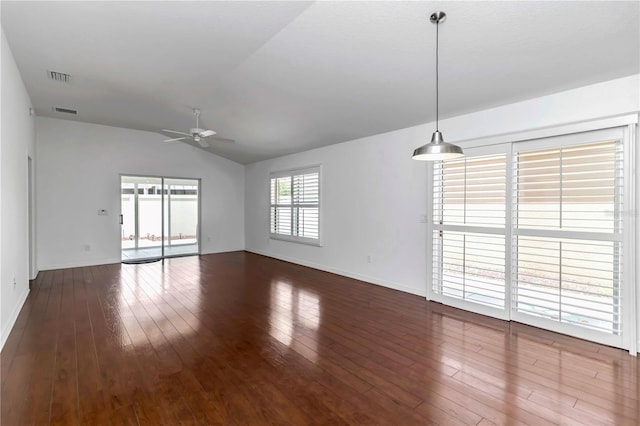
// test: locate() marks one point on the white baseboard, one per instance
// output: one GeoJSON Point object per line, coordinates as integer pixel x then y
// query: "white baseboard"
{"type": "Point", "coordinates": [202, 253]}
{"type": "Point", "coordinates": [77, 264]}
{"type": "Point", "coordinates": [356, 276]}
{"type": "Point", "coordinates": [6, 329]}
{"type": "Point", "coordinates": [82, 264]}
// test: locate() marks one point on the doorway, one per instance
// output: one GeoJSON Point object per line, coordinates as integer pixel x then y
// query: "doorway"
{"type": "Point", "coordinates": [31, 218]}
{"type": "Point", "coordinates": [159, 217]}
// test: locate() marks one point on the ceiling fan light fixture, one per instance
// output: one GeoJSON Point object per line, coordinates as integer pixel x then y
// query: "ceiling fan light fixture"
{"type": "Point", "coordinates": [437, 149]}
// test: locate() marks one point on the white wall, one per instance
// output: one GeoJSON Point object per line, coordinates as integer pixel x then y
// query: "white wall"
{"type": "Point", "coordinates": [78, 173]}
{"type": "Point", "coordinates": [16, 146]}
{"type": "Point", "coordinates": [373, 194]}
{"type": "Point", "coordinates": [371, 202]}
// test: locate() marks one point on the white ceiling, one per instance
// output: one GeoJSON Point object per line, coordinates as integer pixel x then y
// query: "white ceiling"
{"type": "Point", "coordinates": [283, 77]}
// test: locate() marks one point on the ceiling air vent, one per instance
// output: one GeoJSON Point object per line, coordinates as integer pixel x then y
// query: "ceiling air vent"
{"type": "Point", "coordinates": [65, 110]}
{"type": "Point", "coordinates": [59, 76]}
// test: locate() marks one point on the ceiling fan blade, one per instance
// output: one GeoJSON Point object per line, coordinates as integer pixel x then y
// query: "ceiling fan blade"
{"type": "Point", "coordinates": [203, 143]}
{"type": "Point", "coordinates": [207, 133]}
{"type": "Point", "coordinates": [178, 133]}
{"type": "Point", "coordinates": [176, 139]}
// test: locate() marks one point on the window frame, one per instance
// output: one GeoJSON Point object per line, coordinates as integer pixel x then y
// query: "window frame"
{"type": "Point", "coordinates": [316, 168]}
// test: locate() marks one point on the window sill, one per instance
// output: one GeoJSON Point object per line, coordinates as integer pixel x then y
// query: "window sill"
{"type": "Point", "coordinates": [298, 240]}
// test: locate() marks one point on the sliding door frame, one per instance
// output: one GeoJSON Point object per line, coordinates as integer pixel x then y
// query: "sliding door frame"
{"type": "Point", "coordinates": [620, 135]}
{"type": "Point", "coordinates": [495, 312]}
{"type": "Point", "coordinates": [486, 146]}
{"type": "Point", "coordinates": [162, 203]}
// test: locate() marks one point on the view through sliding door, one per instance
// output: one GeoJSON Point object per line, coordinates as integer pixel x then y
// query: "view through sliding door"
{"type": "Point", "coordinates": [159, 217]}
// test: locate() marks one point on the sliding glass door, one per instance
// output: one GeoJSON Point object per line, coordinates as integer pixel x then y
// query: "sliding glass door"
{"type": "Point", "coordinates": [141, 217]}
{"type": "Point", "coordinates": [568, 235]}
{"type": "Point", "coordinates": [534, 231]}
{"type": "Point", "coordinates": [159, 217]}
{"type": "Point", "coordinates": [181, 216]}
{"type": "Point", "coordinates": [470, 225]}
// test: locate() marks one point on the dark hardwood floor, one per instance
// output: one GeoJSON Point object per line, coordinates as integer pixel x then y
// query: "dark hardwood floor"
{"type": "Point", "coordinates": [240, 339]}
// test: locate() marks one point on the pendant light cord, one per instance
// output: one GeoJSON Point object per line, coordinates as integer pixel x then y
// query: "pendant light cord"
{"type": "Point", "coordinates": [437, 79]}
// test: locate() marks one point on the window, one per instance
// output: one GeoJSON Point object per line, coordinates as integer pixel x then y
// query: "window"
{"type": "Point", "coordinates": [295, 205]}
{"type": "Point", "coordinates": [535, 231]}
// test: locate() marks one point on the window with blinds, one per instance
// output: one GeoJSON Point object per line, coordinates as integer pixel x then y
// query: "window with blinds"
{"type": "Point", "coordinates": [568, 234]}
{"type": "Point", "coordinates": [469, 229]}
{"type": "Point", "coordinates": [295, 205]}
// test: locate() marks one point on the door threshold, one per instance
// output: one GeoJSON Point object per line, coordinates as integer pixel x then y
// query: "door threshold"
{"type": "Point", "coordinates": [140, 261]}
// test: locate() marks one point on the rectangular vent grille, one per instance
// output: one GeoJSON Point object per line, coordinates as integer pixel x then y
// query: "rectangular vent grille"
{"type": "Point", "coordinates": [59, 76]}
{"type": "Point", "coordinates": [65, 110]}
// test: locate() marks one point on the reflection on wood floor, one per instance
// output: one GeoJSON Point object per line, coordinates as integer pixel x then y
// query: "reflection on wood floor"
{"type": "Point", "coordinates": [241, 339]}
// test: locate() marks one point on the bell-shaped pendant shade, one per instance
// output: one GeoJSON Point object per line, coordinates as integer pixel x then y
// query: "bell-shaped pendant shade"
{"type": "Point", "coordinates": [437, 149]}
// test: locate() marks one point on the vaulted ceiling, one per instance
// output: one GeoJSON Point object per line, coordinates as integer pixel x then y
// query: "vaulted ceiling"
{"type": "Point", "coordinates": [283, 77]}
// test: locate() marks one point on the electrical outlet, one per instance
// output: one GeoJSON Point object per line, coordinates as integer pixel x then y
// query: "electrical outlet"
{"type": "Point", "coordinates": [423, 218]}
{"type": "Point", "coordinates": [368, 258]}
{"type": "Point", "coordinates": [103, 212]}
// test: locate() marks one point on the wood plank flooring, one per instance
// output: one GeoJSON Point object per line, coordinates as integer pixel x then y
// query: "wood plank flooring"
{"type": "Point", "coordinates": [241, 339]}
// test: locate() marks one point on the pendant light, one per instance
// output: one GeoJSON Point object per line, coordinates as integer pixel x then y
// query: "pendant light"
{"type": "Point", "coordinates": [437, 149]}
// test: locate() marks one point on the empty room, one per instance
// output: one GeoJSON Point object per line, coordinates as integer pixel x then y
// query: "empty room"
{"type": "Point", "coordinates": [320, 213]}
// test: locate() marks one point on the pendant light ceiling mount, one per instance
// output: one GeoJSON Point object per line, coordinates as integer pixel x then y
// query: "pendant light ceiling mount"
{"type": "Point", "coordinates": [438, 17]}
{"type": "Point", "coordinates": [437, 149]}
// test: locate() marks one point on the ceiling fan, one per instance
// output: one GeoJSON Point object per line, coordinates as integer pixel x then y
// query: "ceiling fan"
{"type": "Point", "coordinates": [197, 134]}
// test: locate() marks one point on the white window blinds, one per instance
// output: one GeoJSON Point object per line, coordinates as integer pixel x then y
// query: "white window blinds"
{"type": "Point", "coordinates": [568, 234]}
{"type": "Point", "coordinates": [469, 229]}
{"type": "Point", "coordinates": [295, 205]}
{"type": "Point", "coordinates": [535, 231]}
